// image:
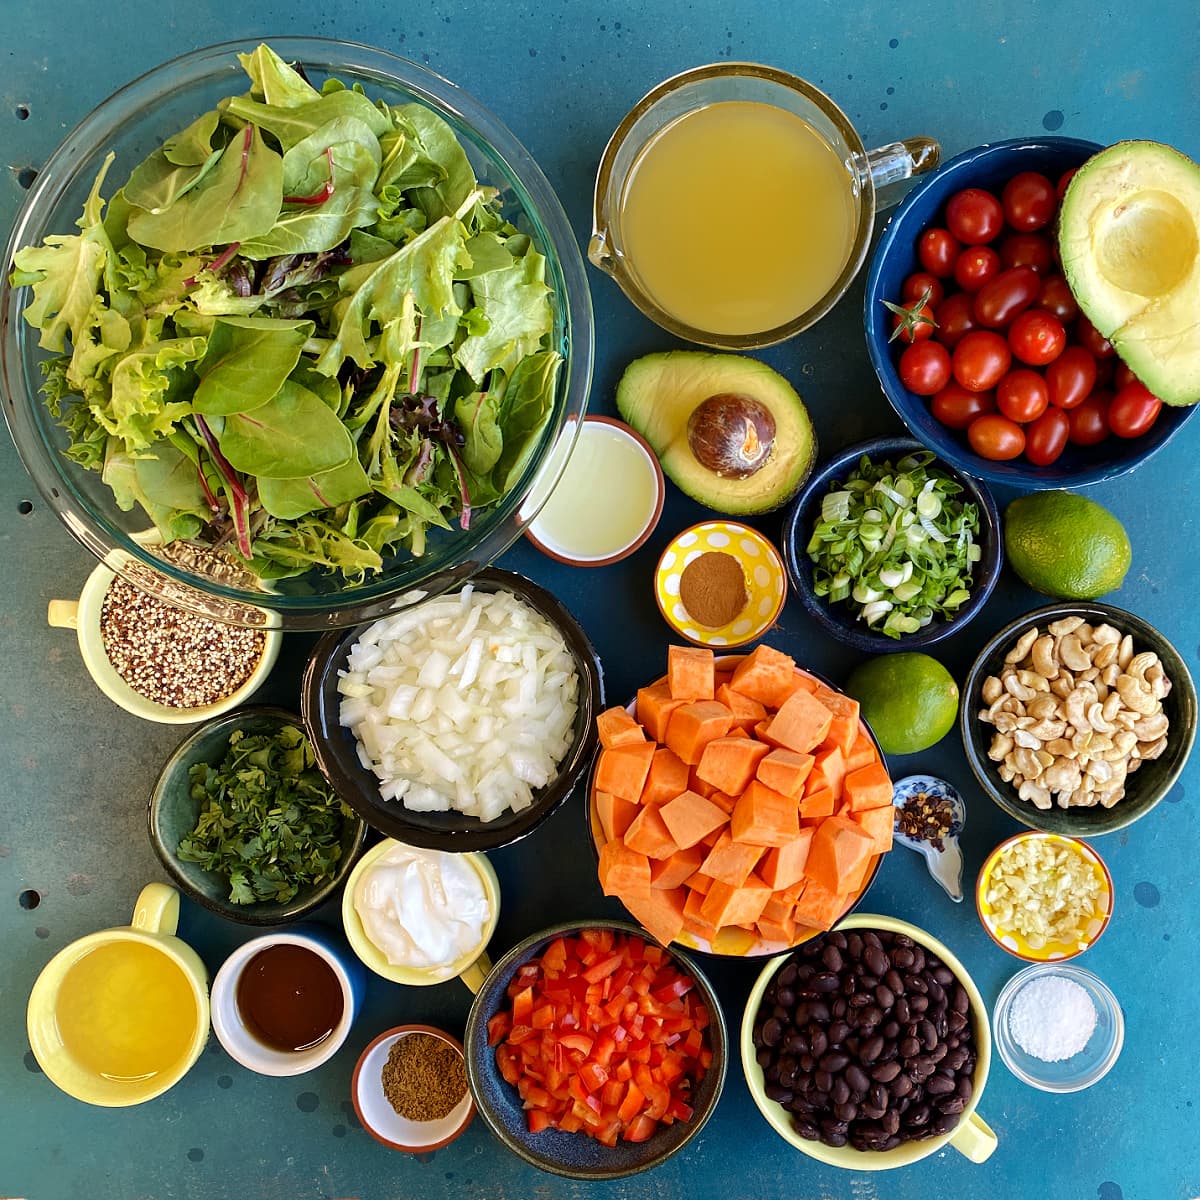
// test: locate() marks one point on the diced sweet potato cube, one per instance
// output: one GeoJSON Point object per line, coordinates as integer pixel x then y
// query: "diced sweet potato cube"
{"type": "Point", "coordinates": [654, 709]}
{"type": "Point", "coordinates": [616, 815]}
{"type": "Point", "coordinates": [728, 905]}
{"type": "Point", "coordinates": [821, 803]}
{"type": "Point", "coordinates": [694, 725]}
{"type": "Point", "coordinates": [724, 801]}
{"type": "Point", "coordinates": [617, 728]}
{"type": "Point", "coordinates": [622, 770]}
{"type": "Point", "coordinates": [784, 865]}
{"type": "Point", "coordinates": [879, 823]}
{"type": "Point", "coordinates": [697, 785]}
{"type": "Point", "coordinates": [729, 763]}
{"type": "Point", "coordinates": [691, 673]}
{"type": "Point", "coordinates": [660, 912]}
{"type": "Point", "coordinates": [668, 777]}
{"type": "Point", "coordinates": [730, 861]}
{"type": "Point", "coordinates": [862, 753]}
{"type": "Point", "coordinates": [699, 882]}
{"type": "Point", "coordinates": [801, 723]}
{"type": "Point", "coordinates": [858, 880]}
{"type": "Point", "coordinates": [839, 848]}
{"type": "Point", "coordinates": [764, 817]}
{"type": "Point", "coordinates": [693, 921]}
{"type": "Point", "coordinates": [678, 869]}
{"type": "Point", "coordinates": [829, 770]}
{"type": "Point", "coordinates": [747, 712]}
{"type": "Point", "coordinates": [785, 771]}
{"type": "Point", "coordinates": [623, 872]}
{"type": "Point", "coordinates": [780, 929]}
{"type": "Point", "coordinates": [818, 907]}
{"type": "Point", "coordinates": [648, 834]}
{"type": "Point", "coordinates": [690, 818]}
{"type": "Point", "coordinates": [868, 787]}
{"type": "Point", "coordinates": [765, 675]}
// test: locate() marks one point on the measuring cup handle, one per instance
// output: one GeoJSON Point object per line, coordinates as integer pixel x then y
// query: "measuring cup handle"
{"type": "Point", "coordinates": [477, 972]}
{"type": "Point", "coordinates": [63, 614]}
{"type": "Point", "coordinates": [902, 160]}
{"type": "Point", "coordinates": [975, 1139]}
{"type": "Point", "coordinates": [157, 909]}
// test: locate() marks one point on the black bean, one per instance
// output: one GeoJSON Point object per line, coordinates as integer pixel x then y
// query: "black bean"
{"type": "Point", "coordinates": [871, 1049]}
{"type": "Point", "coordinates": [885, 1072]}
{"type": "Point", "coordinates": [903, 959]}
{"type": "Point", "coordinates": [818, 1099]}
{"type": "Point", "coordinates": [965, 1088]}
{"type": "Point", "coordinates": [870, 1016]}
{"type": "Point", "coordinates": [807, 1128]}
{"type": "Point", "coordinates": [772, 1032]}
{"type": "Point", "coordinates": [915, 983]}
{"type": "Point", "coordinates": [870, 1132]}
{"type": "Point", "coordinates": [764, 1057]}
{"type": "Point", "coordinates": [890, 1122]}
{"type": "Point", "coordinates": [840, 1092]}
{"type": "Point", "coordinates": [917, 1116]}
{"type": "Point", "coordinates": [871, 1111]}
{"type": "Point", "coordinates": [944, 1123]}
{"type": "Point", "coordinates": [823, 1080]}
{"type": "Point", "coordinates": [787, 976]}
{"type": "Point", "coordinates": [909, 1047]}
{"type": "Point", "coordinates": [878, 1096]}
{"type": "Point", "coordinates": [952, 1104]}
{"type": "Point", "coordinates": [902, 1010]}
{"type": "Point", "coordinates": [807, 1062]}
{"type": "Point", "coordinates": [884, 996]}
{"type": "Point", "coordinates": [939, 1052]}
{"type": "Point", "coordinates": [838, 1008]}
{"type": "Point", "coordinates": [786, 998]}
{"type": "Point", "coordinates": [960, 1002]}
{"type": "Point", "coordinates": [893, 980]}
{"type": "Point", "coordinates": [836, 1140]}
{"type": "Point", "coordinates": [836, 939]}
{"type": "Point", "coordinates": [943, 975]}
{"type": "Point", "coordinates": [818, 1010]}
{"type": "Point", "coordinates": [831, 956]}
{"type": "Point", "coordinates": [835, 1061]}
{"type": "Point", "coordinates": [778, 1093]}
{"type": "Point", "coordinates": [876, 960]}
{"type": "Point", "coordinates": [901, 1086]}
{"type": "Point", "coordinates": [859, 1000]}
{"type": "Point", "coordinates": [955, 1058]}
{"type": "Point", "coordinates": [839, 1031]}
{"type": "Point", "coordinates": [824, 981]}
{"type": "Point", "coordinates": [918, 1005]}
{"type": "Point", "coordinates": [846, 1111]}
{"type": "Point", "coordinates": [818, 1043]}
{"type": "Point", "coordinates": [832, 1125]}
{"type": "Point", "coordinates": [918, 958]}
{"type": "Point", "coordinates": [902, 939]}
{"type": "Point", "coordinates": [854, 946]}
{"type": "Point", "coordinates": [795, 1043]}
{"type": "Point", "coordinates": [857, 1078]}
{"type": "Point", "coordinates": [928, 1032]}
{"type": "Point", "coordinates": [781, 1014]}
{"type": "Point", "coordinates": [956, 1022]}
{"type": "Point", "coordinates": [871, 938]}
{"type": "Point", "coordinates": [891, 1030]}
{"type": "Point", "coordinates": [938, 1085]}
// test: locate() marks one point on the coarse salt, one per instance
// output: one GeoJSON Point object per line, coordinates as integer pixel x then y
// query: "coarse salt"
{"type": "Point", "coordinates": [1052, 1018]}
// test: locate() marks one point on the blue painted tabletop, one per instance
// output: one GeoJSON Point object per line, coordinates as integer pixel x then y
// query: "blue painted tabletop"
{"type": "Point", "coordinates": [76, 770]}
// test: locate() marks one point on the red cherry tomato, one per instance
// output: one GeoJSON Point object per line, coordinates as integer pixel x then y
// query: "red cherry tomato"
{"type": "Point", "coordinates": [1037, 337]}
{"type": "Point", "coordinates": [1133, 410]}
{"type": "Point", "coordinates": [956, 407]}
{"type": "Point", "coordinates": [1105, 370]}
{"type": "Point", "coordinates": [1027, 250]}
{"type": "Point", "coordinates": [995, 437]}
{"type": "Point", "coordinates": [981, 360]}
{"type": "Point", "coordinates": [1071, 377]}
{"type": "Point", "coordinates": [975, 266]}
{"type": "Point", "coordinates": [920, 282]}
{"type": "Point", "coordinates": [1046, 438]}
{"type": "Point", "coordinates": [1055, 297]}
{"type": "Point", "coordinates": [1123, 376]}
{"type": "Point", "coordinates": [915, 324]}
{"type": "Point", "coordinates": [1022, 396]}
{"type": "Point", "coordinates": [925, 368]}
{"type": "Point", "coordinates": [954, 319]}
{"type": "Point", "coordinates": [937, 249]}
{"type": "Point", "coordinates": [1092, 340]}
{"type": "Point", "coordinates": [1063, 180]}
{"type": "Point", "coordinates": [1029, 201]}
{"type": "Point", "coordinates": [974, 216]}
{"type": "Point", "coordinates": [1089, 420]}
{"type": "Point", "coordinates": [1011, 292]}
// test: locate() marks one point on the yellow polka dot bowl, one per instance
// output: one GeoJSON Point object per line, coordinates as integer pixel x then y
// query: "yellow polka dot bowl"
{"type": "Point", "coordinates": [1054, 866]}
{"type": "Point", "coordinates": [762, 571]}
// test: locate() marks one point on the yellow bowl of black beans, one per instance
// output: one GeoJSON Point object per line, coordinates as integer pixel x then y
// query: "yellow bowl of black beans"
{"type": "Point", "coordinates": [161, 662]}
{"type": "Point", "coordinates": [868, 1047]}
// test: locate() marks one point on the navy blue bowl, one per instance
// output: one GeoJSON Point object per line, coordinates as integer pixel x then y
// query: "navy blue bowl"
{"type": "Point", "coordinates": [575, 1154]}
{"type": "Point", "coordinates": [839, 620]}
{"type": "Point", "coordinates": [989, 166]}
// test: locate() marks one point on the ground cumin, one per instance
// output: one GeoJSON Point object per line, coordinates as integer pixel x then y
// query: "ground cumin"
{"type": "Point", "coordinates": [424, 1077]}
{"type": "Point", "coordinates": [713, 589]}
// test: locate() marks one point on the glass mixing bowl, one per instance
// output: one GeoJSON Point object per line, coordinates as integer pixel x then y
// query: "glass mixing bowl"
{"type": "Point", "coordinates": [132, 123]}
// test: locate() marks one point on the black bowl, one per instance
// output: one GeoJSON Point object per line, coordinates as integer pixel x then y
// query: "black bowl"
{"type": "Point", "coordinates": [575, 1154]}
{"type": "Point", "coordinates": [171, 815]}
{"type": "Point", "coordinates": [838, 620]}
{"type": "Point", "coordinates": [1145, 787]}
{"type": "Point", "coordinates": [337, 748]}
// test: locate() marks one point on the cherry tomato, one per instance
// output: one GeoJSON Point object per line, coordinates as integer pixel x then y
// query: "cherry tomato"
{"type": "Point", "coordinates": [913, 323]}
{"type": "Point", "coordinates": [1105, 370]}
{"type": "Point", "coordinates": [1027, 250]}
{"type": "Point", "coordinates": [1064, 179]}
{"type": "Point", "coordinates": [956, 407]}
{"type": "Point", "coordinates": [1055, 297]}
{"type": "Point", "coordinates": [954, 319]}
{"type": "Point", "coordinates": [1133, 410]}
{"type": "Point", "coordinates": [1089, 420]}
{"type": "Point", "coordinates": [1037, 337]}
{"type": "Point", "coordinates": [937, 249]}
{"type": "Point", "coordinates": [1071, 377]}
{"type": "Point", "coordinates": [1092, 340]}
{"type": "Point", "coordinates": [1046, 438]}
{"type": "Point", "coordinates": [981, 360]}
{"type": "Point", "coordinates": [975, 266]}
{"type": "Point", "coordinates": [995, 437]}
{"type": "Point", "coordinates": [920, 282]}
{"type": "Point", "coordinates": [1022, 396]}
{"type": "Point", "coordinates": [1123, 376]}
{"type": "Point", "coordinates": [925, 368]}
{"type": "Point", "coordinates": [998, 302]}
{"type": "Point", "coordinates": [1029, 201]}
{"type": "Point", "coordinates": [974, 216]}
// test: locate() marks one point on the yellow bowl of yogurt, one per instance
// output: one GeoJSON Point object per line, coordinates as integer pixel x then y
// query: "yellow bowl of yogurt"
{"type": "Point", "coordinates": [421, 917]}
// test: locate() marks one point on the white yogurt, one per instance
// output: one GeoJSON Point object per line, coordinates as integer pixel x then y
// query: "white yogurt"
{"type": "Point", "coordinates": [422, 908]}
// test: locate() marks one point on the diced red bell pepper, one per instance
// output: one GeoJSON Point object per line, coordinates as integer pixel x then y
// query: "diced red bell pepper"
{"type": "Point", "coordinates": [640, 1128]}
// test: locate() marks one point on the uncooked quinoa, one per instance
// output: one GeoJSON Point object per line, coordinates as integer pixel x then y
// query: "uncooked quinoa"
{"type": "Point", "coordinates": [173, 657]}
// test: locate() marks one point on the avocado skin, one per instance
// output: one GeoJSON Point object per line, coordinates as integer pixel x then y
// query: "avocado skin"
{"type": "Point", "coordinates": [658, 393]}
{"type": "Point", "coordinates": [1157, 191]}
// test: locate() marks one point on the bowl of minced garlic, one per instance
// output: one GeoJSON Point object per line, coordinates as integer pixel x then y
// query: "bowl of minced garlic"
{"type": "Point", "coordinates": [720, 583]}
{"type": "Point", "coordinates": [410, 1089]}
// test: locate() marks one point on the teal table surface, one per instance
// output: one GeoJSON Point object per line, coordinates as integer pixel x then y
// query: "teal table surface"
{"type": "Point", "coordinates": [76, 771]}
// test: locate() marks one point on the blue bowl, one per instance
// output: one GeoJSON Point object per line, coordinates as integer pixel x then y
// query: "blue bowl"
{"type": "Point", "coordinates": [838, 619]}
{"type": "Point", "coordinates": [989, 166]}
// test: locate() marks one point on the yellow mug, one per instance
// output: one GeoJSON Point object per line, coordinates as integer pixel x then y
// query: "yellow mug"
{"type": "Point", "coordinates": [472, 968]}
{"type": "Point", "coordinates": [119, 1016]}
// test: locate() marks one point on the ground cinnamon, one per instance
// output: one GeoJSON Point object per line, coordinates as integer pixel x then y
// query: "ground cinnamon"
{"type": "Point", "coordinates": [424, 1077]}
{"type": "Point", "coordinates": [713, 588]}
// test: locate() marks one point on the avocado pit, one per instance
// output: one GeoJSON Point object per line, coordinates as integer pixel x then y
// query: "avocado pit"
{"type": "Point", "coordinates": [731, 434]}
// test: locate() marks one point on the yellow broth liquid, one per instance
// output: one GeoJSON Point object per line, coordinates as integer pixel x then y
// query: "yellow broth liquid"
{"type": "Point", "coordinates": [126, 1012]}
{"type": "Point", "coordinates": [738, 217]}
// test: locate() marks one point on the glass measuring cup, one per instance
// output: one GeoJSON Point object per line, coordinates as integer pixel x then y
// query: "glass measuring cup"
{"type": "Point", "coordinates": [697, 89]}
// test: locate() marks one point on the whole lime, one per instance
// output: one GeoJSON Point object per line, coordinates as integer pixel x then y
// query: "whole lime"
{"type": "Point", "coordinates": [909, 700]}
{"type": "Point", "coordinates": [1066, 545]}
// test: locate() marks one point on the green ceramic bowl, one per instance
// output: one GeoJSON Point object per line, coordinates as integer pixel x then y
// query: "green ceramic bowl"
{"type": "Point", "coordinates": [172, 815]}
{"type": "Point", "coordinates": [1144, 788]}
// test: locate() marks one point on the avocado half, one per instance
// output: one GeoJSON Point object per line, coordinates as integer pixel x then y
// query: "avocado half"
{"type": "Point", "coordinates": [1129, 239]}
{"type": "Point", "coordinates": [658, 395]}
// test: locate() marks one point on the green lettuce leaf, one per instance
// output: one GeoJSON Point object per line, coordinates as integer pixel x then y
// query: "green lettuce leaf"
{"type": "Point", "coordinates": [246, 362]}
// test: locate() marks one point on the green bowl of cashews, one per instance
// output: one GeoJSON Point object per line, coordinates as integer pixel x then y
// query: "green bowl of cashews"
{"type": "Point", "coordinates": [1078, 718]}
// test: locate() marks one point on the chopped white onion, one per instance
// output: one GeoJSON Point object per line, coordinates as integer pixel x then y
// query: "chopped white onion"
{"type": "Point", "coordinates": [467, 702]}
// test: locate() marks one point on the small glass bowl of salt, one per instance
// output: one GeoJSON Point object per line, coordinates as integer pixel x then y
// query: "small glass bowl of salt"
{"type": "Point", "coordinates": [1058, 1027]}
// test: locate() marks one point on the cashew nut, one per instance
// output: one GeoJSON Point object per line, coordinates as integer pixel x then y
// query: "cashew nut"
{"type": "Point", "coordinates": [1000, 748]}
{"type": "Point", "coordinates": [1065, 625]}
{"type": "Point", "coordinates": [1019, 651]}
{"type": "Point", "coordinates": [1028, 763]}
{"type": "Point", "coordinates": [1039, 795]}
{"type": "Point", "coordinates": [992, 690]}
{"type": "Point", "coordinates": [1096, 719]}
{"type": "Point", "coordinates": [1152, 727]}
{"type": "Point", "coordinates": [1136, 695]}
{"type": "Point", "coordinates": [1071, 652]}
{"type": "Point", "coordinates": [1105, 635]}
{"type": "Point", "coordinates": [1042, 654]}
{"type": "Point", "coordinates": [1014, 687]}
{"type": "Point", "coordinates": [1154, 749]}
{"type": "Point", "coordinates": [1125, 651]}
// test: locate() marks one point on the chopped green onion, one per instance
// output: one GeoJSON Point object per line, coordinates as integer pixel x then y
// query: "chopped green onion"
{"type": "Point", "coordinates": [896, 543]}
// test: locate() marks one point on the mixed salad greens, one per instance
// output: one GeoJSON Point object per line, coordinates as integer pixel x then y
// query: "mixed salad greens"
{"type": "Point", "coordinates": [301, 329]}
{"type": "Point", "coordinates": [896, 543]}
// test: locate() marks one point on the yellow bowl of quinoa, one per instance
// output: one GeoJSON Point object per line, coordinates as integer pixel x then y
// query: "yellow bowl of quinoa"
{"type": "Point", "coordinates": [1044, 897]}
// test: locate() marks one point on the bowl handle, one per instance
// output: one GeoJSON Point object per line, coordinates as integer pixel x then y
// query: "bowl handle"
{"type": "Point", "coordinates": [901, 160]}
{"type": "Point", "coordinates": [474, 975]}
{"type": "Point", "coordinates": [157, 909]}
{"type": "Point", "coordinates": [974, 1139]}
{"type": "Point", "coordinates": [63, 614]}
